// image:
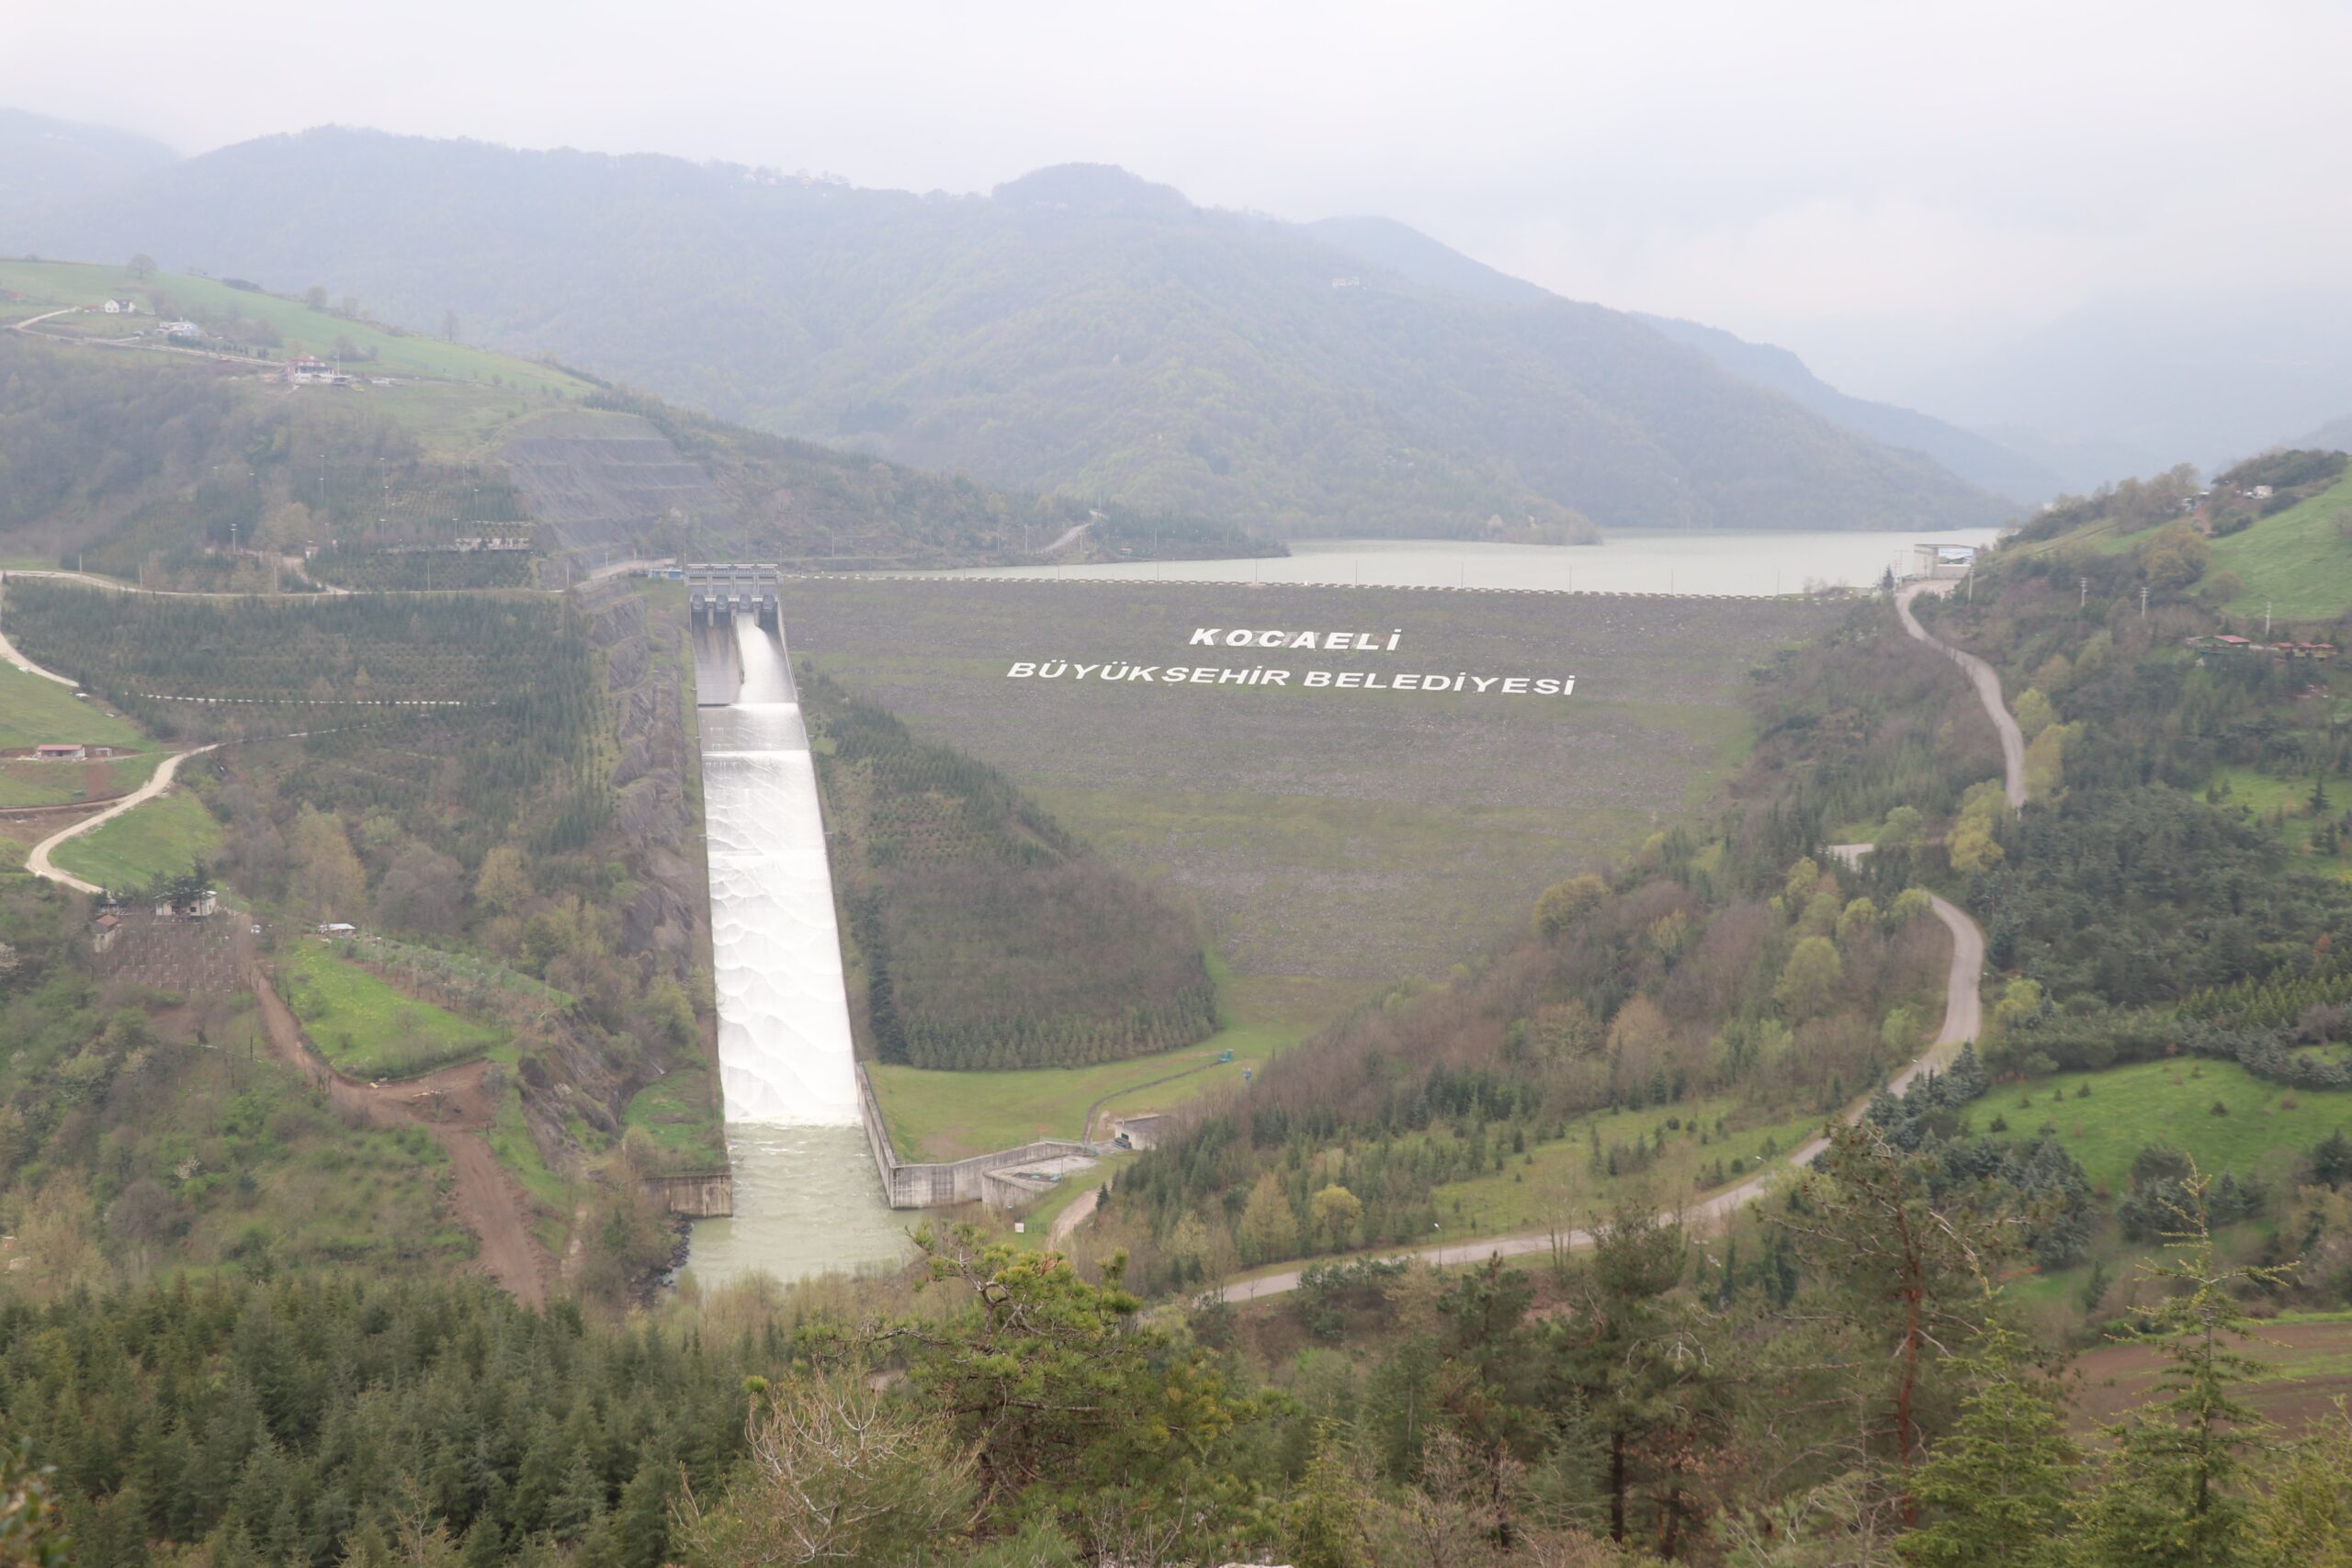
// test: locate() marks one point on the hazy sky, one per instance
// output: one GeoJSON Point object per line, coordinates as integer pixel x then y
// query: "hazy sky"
{"type": "Point", "coordinates": [1884, 185]}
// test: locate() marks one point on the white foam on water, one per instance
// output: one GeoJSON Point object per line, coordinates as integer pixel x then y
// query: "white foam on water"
{"type": "Point", "coordinates": [785, 1052]}
{"type": "Point", "coordinates": [806, 1201]}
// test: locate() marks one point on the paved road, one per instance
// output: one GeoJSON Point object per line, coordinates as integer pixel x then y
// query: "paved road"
{"type": "Point", "coordinates": [1988, 687]}
{"type": "Point", "coordinates": [8, 651]}
{"type": "Point", "coordinates": [37, 859]}
{"type": "Point", "coordinates": [1964, 1013]}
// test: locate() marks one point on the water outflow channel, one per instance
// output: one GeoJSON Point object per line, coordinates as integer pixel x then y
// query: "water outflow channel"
{"type": "Point", "coordinates": [806, 1196]}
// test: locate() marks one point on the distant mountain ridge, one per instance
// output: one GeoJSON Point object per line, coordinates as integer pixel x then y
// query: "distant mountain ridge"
{"type": "Point", "coordinates": [1080, 330]}
{"type": "Point", "coordinates": [2335, 436]}
{"type": "Point", "coordinates": [1979, 459]}
{"type": "Point", "coordinates": [45, 160]}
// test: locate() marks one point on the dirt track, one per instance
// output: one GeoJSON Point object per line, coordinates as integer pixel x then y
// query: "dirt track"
{"type": "Point", "coordinates": [37, 859]}
{"type": "Point", "coordinates": [454, 1106]}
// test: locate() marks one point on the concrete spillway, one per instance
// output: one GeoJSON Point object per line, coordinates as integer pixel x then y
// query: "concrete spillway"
{"type": "Point", "coordinates": [785, 1052]}
{"type": "Point", "coordinates": [806, 1198]}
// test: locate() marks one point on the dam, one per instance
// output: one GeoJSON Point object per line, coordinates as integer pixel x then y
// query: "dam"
{"type": "Point", "coordinates": [806, 1201]}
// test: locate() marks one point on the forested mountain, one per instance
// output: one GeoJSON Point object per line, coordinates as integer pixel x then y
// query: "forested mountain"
{"type": "Point", "coordinates": [1979, 459]}
{"type": "Point", "coordinates": [1983, 462]}
{"type": "Point", "coordinates": [1080, 330]}
{"type": "Point", "coordinates": [49, 160]}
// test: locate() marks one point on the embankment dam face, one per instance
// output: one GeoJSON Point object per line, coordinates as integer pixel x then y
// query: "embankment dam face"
{"type": "Point", "coordinates": [1339, 828]}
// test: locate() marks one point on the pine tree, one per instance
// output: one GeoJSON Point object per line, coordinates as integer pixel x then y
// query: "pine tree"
{"type": "Point", "coordinates": [1996, 1487]}
{"type": "Point", "coordinates": [2173, 1493]}
{"type": "Point", "coordinates": [1323, 1526]}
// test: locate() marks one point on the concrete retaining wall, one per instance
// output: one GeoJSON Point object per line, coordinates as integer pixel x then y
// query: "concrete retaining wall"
{"type": "Point", "coordinates": [939, 1186]}
{"type": "Point", "coordinates": [708, 1195]}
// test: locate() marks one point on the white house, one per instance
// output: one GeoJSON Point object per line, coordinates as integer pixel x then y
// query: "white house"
{"type": "Point", "coordinates": [182, 329]}
{"type": "Point", "coordinates": [121, 306]}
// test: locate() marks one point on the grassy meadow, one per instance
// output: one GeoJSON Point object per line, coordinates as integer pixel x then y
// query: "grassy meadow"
{"type": "Point", "coordinates": [35, 711]}
{"type": "Point", "coordinates": [2264, 1129]}
{"type": "Point", "coordinates": [162, 838]}
{"type": "Point", "coordinates": [2298, 564]}
{"type": "Point", "coordinates": [369, 1030]}
{"type": "Point", "coordinates": [2282, 808]}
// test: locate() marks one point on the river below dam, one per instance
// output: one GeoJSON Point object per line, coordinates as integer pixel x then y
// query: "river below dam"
{"type": "Point", "coordinates": [807, 1199]}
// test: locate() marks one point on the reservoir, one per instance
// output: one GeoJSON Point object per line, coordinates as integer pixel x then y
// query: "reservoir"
{"type": "Point", "coordinates": [806, 1198]}
{"type": "Point", "coordinates": [1629, 561]}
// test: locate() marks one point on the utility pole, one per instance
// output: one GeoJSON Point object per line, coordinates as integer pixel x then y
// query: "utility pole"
{"type": "Point", "coordinates": [2086, 599]}
{"type": "Point", "coordinates": [2143, 601]}
{"type": "Point", "coordinates": [2265, 618]}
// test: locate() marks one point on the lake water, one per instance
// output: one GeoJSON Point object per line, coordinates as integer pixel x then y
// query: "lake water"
{"type": "Point", "coordinates": [1629, 561]}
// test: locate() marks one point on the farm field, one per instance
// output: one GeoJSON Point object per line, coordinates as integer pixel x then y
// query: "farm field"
{"type": "Point", "coordinates": [2305, 1370]}
{"type": "Point", "coordinates": [2298, 563]}
{"type": "Point", "coordinates": [2267, 1128]}
{"type": "Point", "coordinates": [936, 1115]}
{"type": "Point", "coordinates": [1355, 835]}
{"type": "Point", "coordinates": [162, 838]}
{"type": "Point", "coordinates": [369, 1030]}
{"type": "Point", "coordinates": [55, 783]}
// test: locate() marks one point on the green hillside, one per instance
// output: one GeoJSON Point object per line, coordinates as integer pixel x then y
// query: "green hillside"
{"type": "Point", "coordinates": [2215, 1112]}
{"type": "Point", "coordinates": [137, 459]}
{"type": "Point", "coordinates": [2297, 564]}
{"type": "Point", "coordinates": [287, 327]}
{"type": "Point", "coordinates": [161, 838]}
{"type": "Point", "coordinates": [1082, 331]}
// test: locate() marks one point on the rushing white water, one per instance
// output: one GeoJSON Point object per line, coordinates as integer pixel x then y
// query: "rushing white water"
{"type": "Point", "coordinates": [806, 1196]}
{"type": "Point", "coordinates": [785, 1052]}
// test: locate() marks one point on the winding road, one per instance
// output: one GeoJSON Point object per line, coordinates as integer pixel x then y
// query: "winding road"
{"type": "Point", "coordinates": [1988, 683]}
{"type": "Point", "coordinates": [37, 858]}
{"type": "Point", "coordinates": [1963, 1018]}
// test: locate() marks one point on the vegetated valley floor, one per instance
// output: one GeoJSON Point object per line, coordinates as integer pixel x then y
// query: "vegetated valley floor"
{"type": "Point", "coordinates": [1333, 840]}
